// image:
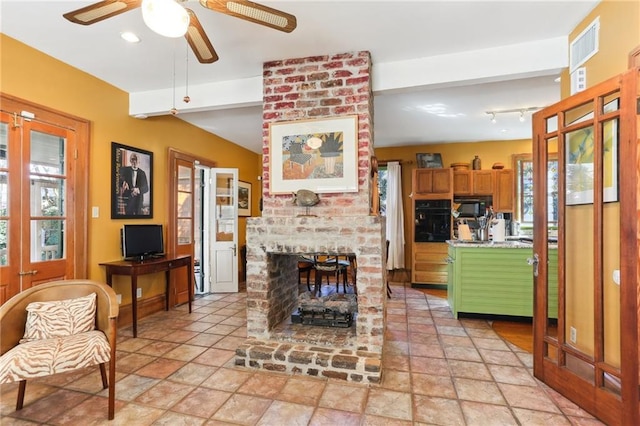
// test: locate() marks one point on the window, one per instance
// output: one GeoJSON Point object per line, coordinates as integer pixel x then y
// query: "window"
{"type": "Point", "coordinates": [382, 189]}
{"type": "Point", "coordinates": [524, 172]}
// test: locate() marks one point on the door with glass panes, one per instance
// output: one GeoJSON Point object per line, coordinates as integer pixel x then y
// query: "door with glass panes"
{"type": "Point", "coordinates": [37, 223]}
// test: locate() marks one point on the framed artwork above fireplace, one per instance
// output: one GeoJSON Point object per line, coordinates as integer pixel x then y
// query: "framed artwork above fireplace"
{"type": "Point", "coordinates": [318, 155]}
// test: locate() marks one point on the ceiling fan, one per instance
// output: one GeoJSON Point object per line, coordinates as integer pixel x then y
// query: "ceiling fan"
{"type": "Point", "coordinates": [195, 35]}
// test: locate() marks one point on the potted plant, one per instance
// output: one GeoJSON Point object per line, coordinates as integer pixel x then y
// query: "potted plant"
{"type": "Point", "coordinates": [330, 150]}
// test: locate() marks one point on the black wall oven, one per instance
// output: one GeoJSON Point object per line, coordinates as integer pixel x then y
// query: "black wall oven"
{"type": "Point", "coordinates": [432, 221]}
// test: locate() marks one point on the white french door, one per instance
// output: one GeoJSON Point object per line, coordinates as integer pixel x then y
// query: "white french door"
{"type": "Point", "coordinates": [223, 231]}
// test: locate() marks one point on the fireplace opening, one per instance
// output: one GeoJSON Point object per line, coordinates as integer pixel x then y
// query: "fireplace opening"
{"type": "Point", "coordinates": [325, 315]}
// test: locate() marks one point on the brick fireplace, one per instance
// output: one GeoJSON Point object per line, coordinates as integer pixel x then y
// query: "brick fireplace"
{"type": "Point", "coordinates": [308, 88]}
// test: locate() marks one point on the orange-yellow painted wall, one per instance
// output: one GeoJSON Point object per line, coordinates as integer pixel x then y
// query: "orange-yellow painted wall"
{"type": "Point", "coordinates": [619, 35]}
{"type": "Point", "coordinates": [36, 77]}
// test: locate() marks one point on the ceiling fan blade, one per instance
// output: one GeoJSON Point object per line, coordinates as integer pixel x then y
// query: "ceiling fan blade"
{"type": "Point", "coordinates": [253, 12]}
{"type": "Point", "coordinates": [102, 10]}
{"type": "Point", "coordinates": [198, 40]}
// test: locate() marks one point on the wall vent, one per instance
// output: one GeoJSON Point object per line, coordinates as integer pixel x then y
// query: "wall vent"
{"type": "Point", "coordinates": [584, 46]}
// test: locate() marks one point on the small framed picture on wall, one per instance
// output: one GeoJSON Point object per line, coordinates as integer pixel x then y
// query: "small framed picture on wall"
{"type": "Point", "coordinates": [131, 177]}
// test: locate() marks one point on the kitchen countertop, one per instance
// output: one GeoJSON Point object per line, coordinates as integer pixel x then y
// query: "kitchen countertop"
{"type": "Point", "coordinates": [495, 244]}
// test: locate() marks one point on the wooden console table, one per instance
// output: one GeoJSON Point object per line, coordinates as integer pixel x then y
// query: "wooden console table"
{"type": "Point", "coordinates": [150, 266]}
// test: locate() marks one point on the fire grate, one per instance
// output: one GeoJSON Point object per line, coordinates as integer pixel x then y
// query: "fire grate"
{"type": "Point", "coordinates": [325, 318]}
{"type": "Point", "coordinates": [335, 310]}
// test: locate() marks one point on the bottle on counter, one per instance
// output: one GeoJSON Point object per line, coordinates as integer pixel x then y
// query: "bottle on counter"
{"type": "Point", "coordinates": [476, 163]}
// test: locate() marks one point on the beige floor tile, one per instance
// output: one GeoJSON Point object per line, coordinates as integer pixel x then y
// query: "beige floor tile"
{"type": "Point", "coordinates": [178, 419]}
{"type": "Point", "coordinates": [160, 368]}
{"type": "Point", "coordinates": [478, 391]}
{"type": "Point", "coordinates": [135, 414]}
{"type": "Point", "coordinates": [531, 417]}
{"type": "Point", "coordinates": [344, 397]}
{"type": "Point", "coordinates": [205, 339]}
{"type": "Point", "coordinates": [301, 390]}
{"type": "Point", "coordinates": [436, 366]}
{"type": "Point", "coordinates": [396, 362]}
{"type": "Point", "coordinates": [227, 379]}
{"type": "Point", "coordinates": [132, 344]}
{"type": "Point", "coordinates": [221, 329]}
{"type": "Point", "coordinates": [396, 380]}
{"type": "Point", "coordinates": [511, 375]}
{"type": "Point", "coordinates": [157, 348]}
{"type": "Point", "coordinates": [500, 357]}
{"type": "Point", "coordinates": [462, 353]}
{"type": "Point", "coordinates": [215, 357]}
{"type": "Point", "coordinates": [51, 406]}
{"type": "Point", "coordinates": [242, 409]}
{"type": "Point", "coordinates": [479, 414]}
{"type": "Point", "coordinates": [469, 369]}
{"type": "Point", "coordinates": [132, 362]}
{"type": "Point", "coordinates": [439, 386]}
{"type": "Point", "coordinates": [329, 417]}
{"type": "Point", "coordinates": [392, 404]}
{"type": "Point", "coordinates": [185, 352]}
{"type": "Point", "coordinates": [263, 384]}
{"type": "Point", "coordinates": [495, 344]}
{"type": "Point", "coordinates": [164, 395]}
{"type": "Point", "coordinates": [131, 386]}
{"type": "Point", "coordinates": [286, 413]}
{"type": "Point", "coordinates": [531, 397]}
{"type": "Point", "coordinates": [201, 402]}
{"type": "Point", "coordinates": [369, 420]}
{"type": "Point", "coordinates": [432, 350]}
{"type": "Point", "coordinates": [437, 411]}
{"type": "Point", "coordinates": [193, 373]}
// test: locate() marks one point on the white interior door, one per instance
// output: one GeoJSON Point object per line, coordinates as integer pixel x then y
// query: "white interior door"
{"type": "Point", "coordinates": [223, 235]}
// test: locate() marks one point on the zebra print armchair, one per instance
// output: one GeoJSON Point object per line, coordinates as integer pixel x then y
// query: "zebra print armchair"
{"type": "Point", "coordinates": [58, 327]}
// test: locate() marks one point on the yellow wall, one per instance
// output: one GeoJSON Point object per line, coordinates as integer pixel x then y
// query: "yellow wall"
{"type": "Point", "coordinates": [29, 74]}
{"type": "Point", "coordinates": [619, 35]}
{"type": "Point", "coordinates": [490, 152]}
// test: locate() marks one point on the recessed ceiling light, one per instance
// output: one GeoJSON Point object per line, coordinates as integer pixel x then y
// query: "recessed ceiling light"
{"type": "Point", "coordinates": [130, 37]}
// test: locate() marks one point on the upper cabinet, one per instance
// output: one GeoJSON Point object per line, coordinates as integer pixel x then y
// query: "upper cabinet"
{"type": "Point", "coordinates": [497, 183]}
{"type": "Point", "coordinates": [503, 196]}
{"type": "Point", "coordinates": [432, 183]}
{"type": "Point", "coordinates": [473, 182]}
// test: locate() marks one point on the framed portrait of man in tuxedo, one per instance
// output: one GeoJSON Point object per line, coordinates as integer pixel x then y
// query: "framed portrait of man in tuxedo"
{"type": "Point", "coordinates": [131, 182]}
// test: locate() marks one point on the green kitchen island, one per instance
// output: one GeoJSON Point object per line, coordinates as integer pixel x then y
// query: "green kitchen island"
{"type": "Point", "coordinates": [495, 278]}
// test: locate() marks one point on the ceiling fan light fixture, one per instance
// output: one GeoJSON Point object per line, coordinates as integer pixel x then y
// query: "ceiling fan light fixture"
{"type": "Point", "coordinates": [165, 17]}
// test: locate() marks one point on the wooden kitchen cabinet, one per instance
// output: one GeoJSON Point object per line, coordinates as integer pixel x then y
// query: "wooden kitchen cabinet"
{"type": "Point", "coordinates": [473, 182]}
{"type": "Point", "coordinates": [432, 183]}
{"type": "Point", "coordinates": [429, 263]}
{"type": "Point", "coordinates": [503, 195]}
{"type": "Point", "coordinates": [483, 182]}
{"type": "Point", "coordinates": [462, 182]}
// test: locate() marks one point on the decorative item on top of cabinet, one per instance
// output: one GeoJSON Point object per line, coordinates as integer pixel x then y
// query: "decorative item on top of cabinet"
{"type": "Point", "coordinates": [503, 195]}
{"type": "Point", "coordinates": [432, 183]}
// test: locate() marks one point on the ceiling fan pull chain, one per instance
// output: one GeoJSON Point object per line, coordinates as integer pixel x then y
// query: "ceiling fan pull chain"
{"type": "Point", "coordinates": [174, 110]}
{"type": "Point", "coordinates": [186, 98]}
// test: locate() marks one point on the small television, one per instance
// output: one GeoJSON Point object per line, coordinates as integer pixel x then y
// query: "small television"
{"type": "Point", "coordinates": [141, 242]}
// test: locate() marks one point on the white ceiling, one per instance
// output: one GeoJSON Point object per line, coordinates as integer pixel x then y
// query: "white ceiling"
{"type": "Point", "coordinates": [438, 65]}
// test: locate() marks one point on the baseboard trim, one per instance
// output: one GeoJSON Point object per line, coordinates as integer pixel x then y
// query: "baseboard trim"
{"type": "Point", "coordinates": [146, 307]}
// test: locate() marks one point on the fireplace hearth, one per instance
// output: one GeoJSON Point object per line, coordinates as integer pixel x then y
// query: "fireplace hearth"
{"type": "Point", "coordinates": [275, 342]}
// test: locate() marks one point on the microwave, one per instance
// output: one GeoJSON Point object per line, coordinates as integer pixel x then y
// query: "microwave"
{"type": "Point", "coordinates": [473, 207]}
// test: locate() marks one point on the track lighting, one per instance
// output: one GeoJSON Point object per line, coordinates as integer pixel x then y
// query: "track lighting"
{"type": "Point", "coordinates": [520, 111]}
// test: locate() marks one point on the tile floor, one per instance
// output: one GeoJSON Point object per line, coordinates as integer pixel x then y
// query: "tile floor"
{"type": "Point", "coordinates": [180, 371]}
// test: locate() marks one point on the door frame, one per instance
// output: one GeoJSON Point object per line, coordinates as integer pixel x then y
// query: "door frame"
{"type": "Point", "coordinates": [80, 156]}
{"type": "Point", "coordinates": [595, 398]}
